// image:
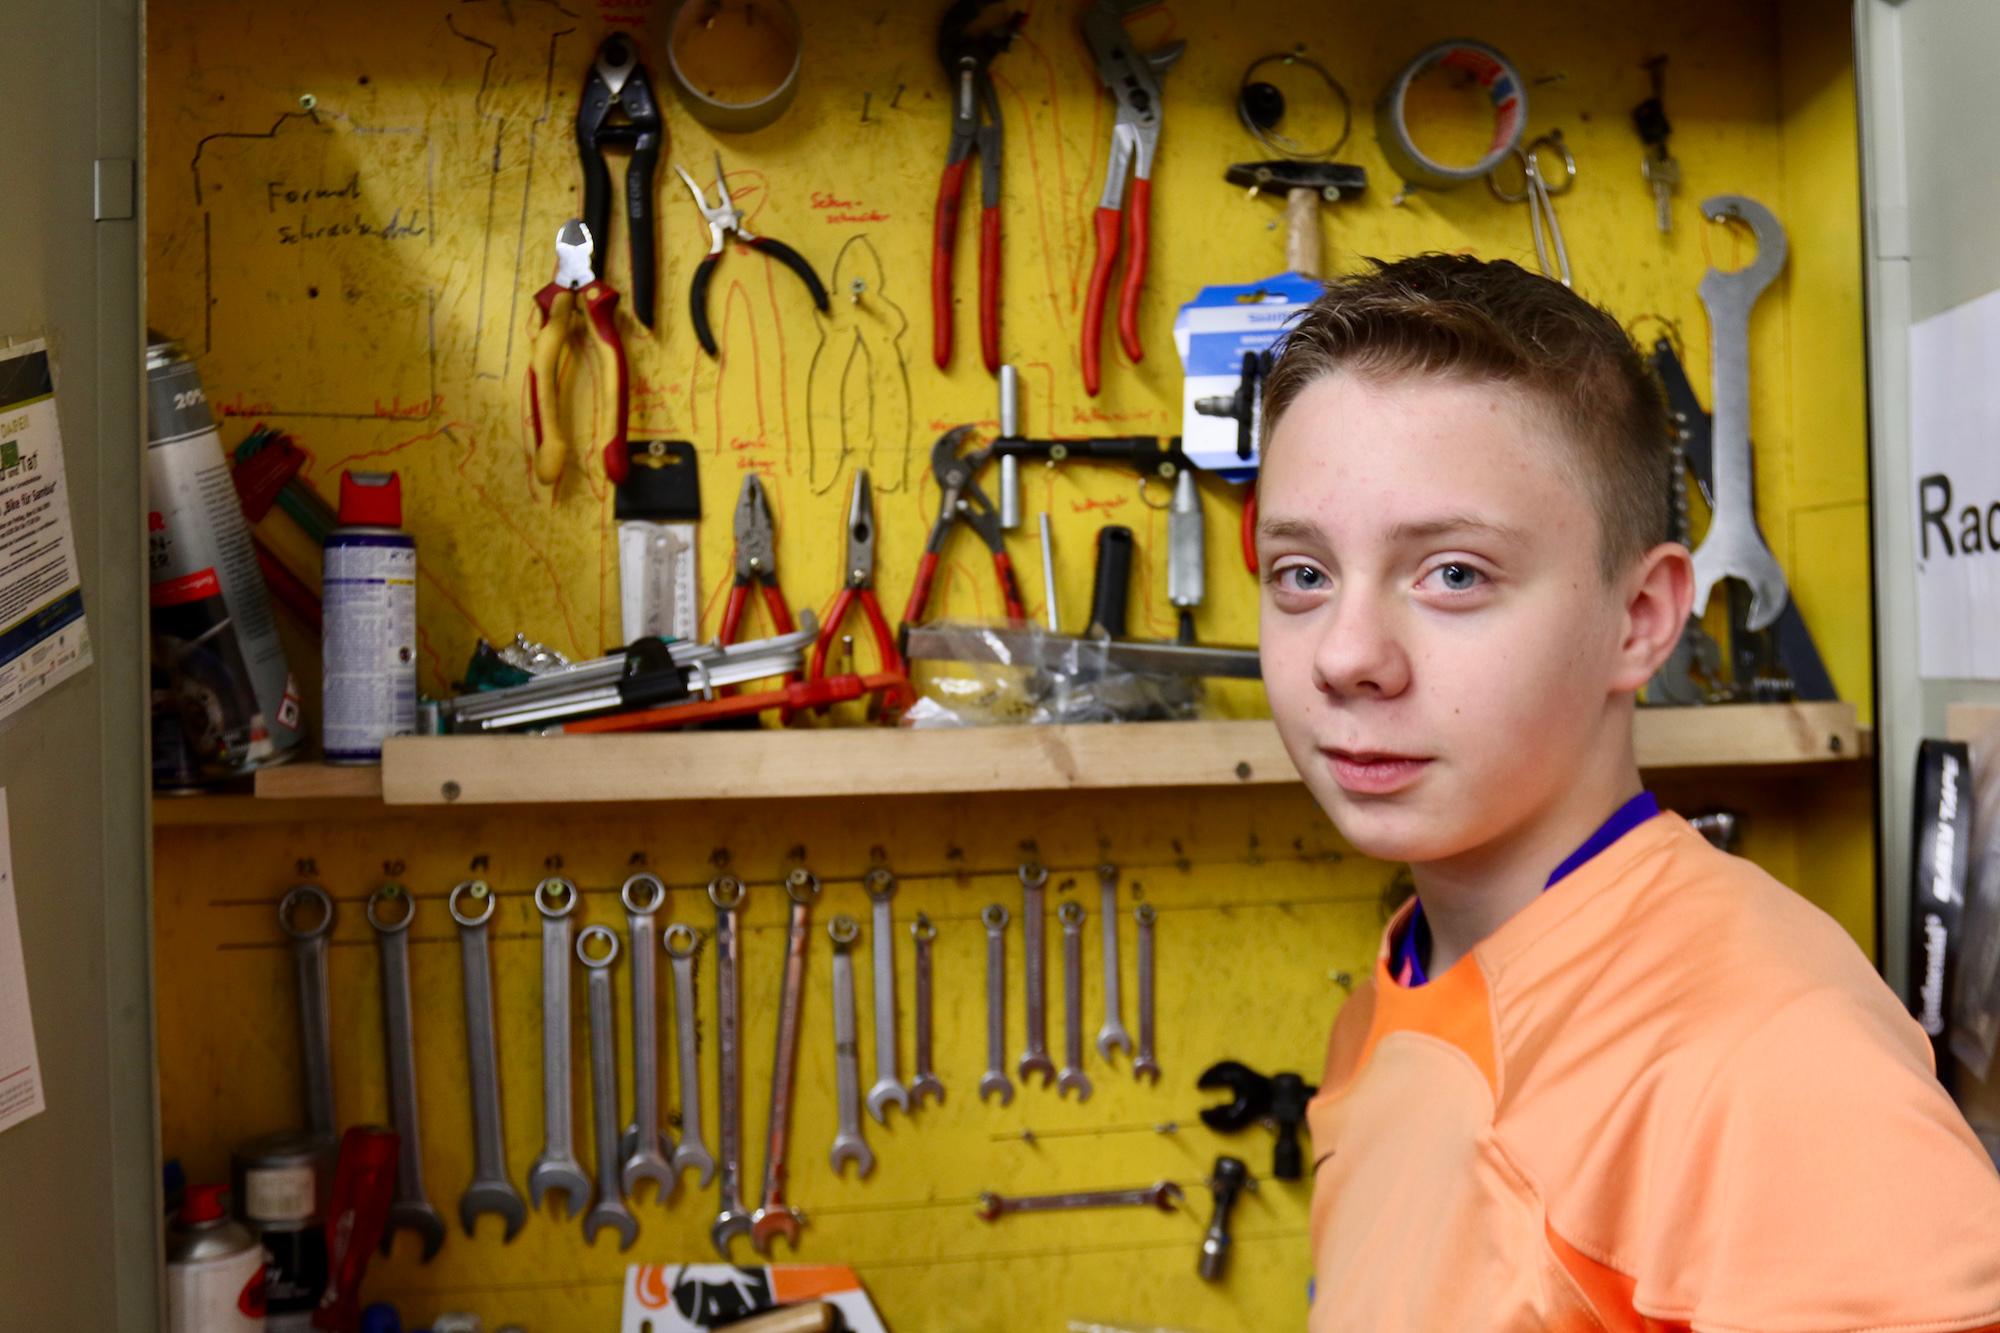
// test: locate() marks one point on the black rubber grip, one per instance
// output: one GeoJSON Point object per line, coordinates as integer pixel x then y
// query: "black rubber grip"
{"type": "Point", "coordinates": [794, 261]}
{"type": "Point", "coordinates": [639, 216]}
{"type": "Point", "coordinates": [698, 302]}
{"type": "Point", "coordinates": [1113, 580]}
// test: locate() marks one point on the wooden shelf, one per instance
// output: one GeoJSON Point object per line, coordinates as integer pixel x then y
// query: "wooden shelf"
{"type": "Point", "coordinates": [538, 770]}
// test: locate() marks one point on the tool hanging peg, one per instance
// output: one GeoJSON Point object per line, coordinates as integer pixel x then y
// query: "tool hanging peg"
{"type": "Point", "coordinates": [575, 281]}
{"type": "Point", "coordinates": [975, 127]}
{"type": "Point", "coordinates": [1662, 172]}
{"type": "Point", "coordinates": [618, 84]}
{"type": "Point", "coordinates": [1133, 80]}
{"type": "Point", "coordinates": [726, 219]}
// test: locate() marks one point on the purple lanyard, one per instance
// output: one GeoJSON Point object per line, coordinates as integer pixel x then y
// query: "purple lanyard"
{"type": "Point", "coordinates": [1415, 940]}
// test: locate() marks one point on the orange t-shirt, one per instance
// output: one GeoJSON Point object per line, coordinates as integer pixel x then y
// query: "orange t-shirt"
{"type": "Point", "coordinates": [1668, 1094]}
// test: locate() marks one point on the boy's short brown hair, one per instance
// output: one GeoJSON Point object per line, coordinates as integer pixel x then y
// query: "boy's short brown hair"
{"type": "Point", "coordinates": [1474, 319]}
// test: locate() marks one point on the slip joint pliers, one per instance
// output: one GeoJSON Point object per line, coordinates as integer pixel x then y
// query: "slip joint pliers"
{"type": "Point", "coordinates": [975, 127]}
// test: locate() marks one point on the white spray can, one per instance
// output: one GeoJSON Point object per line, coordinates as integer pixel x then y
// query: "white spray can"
{"type": "Point", "coordinates": [215, 1269]}
{"type": "Point", "coordinates": [368, 586]}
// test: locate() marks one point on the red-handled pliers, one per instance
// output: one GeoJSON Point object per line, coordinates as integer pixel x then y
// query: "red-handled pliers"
{"type": "Point", "coordinates": [1133, 79]}
{"type": "Point", "coordinates": [975, 127]}
{"type": "Point", "coordinates": [858, 585]}
{"type": "Point", "coordinates": [961, 500]}
{"type": "Point", "coordinates": [756, 563]}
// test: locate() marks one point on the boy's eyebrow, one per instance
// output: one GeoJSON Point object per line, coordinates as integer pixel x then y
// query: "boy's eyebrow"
{"type": "Point", "coordinates": [1281, 529]}
{"type": "Point", "coordinates": [1446, 525]}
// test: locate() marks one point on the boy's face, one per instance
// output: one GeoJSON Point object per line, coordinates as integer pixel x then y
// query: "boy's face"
{"type": "Point", "coordinates": [1440, 648]}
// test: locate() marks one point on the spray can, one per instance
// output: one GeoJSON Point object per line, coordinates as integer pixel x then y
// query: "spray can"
{"type": "Point", "coordinates": [369, 588]}
{"type": "Point", "coordinates": [215, 1269]}
{"type": "Point", "coordinates": [281, 1191]}
{"type": "Point", "coordinates": [215, 643]}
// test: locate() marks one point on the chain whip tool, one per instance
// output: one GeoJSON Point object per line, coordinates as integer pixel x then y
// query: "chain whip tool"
{"type": "Point", "coordinates": [557, 1167]}
{"type": "Point", "coordinates": [1165, 1196]}
{"type": "Point", "coordinates": [774, 1216]}
{"type": "Point", "coordinates": [1072, 1076]}
{"type": "Point", "coordinates": [411, 1210]}
{"type": "Point", "coordinates": [681, 943]}
{"type": "Point", "coordinates": [848, 1144]}
{"type": "Point", "coordinates": [1145, 1066]}
{"type": "Point", "coordinates": [926, 1081]}
{"type": "Point", "coordinates": [1112, 1036]}
{"type": "Point", "coordinates": [490, 1191]}
{"type": "Point", "coordinates": [315, 1007]}
{"type": "Point", "coordinates": [888, 1090]}
{"type": "Point", "coordinates": [995, 1080]}
{"type": "Point", "coordinates": [645, 1146]}
{"type": "Point", "coordinates": [1035, 1058]}
{"type": "Point", "coordinates": [732, 1217]}
{"type": "Point", "coordinates": [610, 1209]}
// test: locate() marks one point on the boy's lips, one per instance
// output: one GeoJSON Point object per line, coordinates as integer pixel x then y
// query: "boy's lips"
{"type": "Point", "coordinates": [1373, 772]}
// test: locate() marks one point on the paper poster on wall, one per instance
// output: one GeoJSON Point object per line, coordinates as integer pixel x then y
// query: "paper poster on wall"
{"type": "Point", "coordinates": [43, 637]}
{"type": "Point", "coordinates": [20, 1071]}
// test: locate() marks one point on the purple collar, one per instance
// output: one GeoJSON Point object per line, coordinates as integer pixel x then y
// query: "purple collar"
{"type": "Point", "coordinates": [1413, 944]}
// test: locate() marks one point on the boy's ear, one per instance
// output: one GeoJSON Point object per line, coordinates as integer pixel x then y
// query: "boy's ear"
{"type": "Point", "coordinates": [1657, 604]}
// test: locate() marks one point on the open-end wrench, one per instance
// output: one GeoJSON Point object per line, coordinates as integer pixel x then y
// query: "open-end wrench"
{"type": "Point", "coordinates": [646, 1147]}
{"type": "Point", "coordinates": [926, 1080]}
{"type": "Point", "coordinates": [411, 1210]}
{"type": "Point", "coordinates": [1034, 949]}
{"type": "Point", "coordinates": [681, 943]}
{"type": "Point", "coordinates": [888, 1090]}
{"type": "Point", "coordinates": [315, 1012]}
{"type": "Point", "coordinates": [732, 1217]}
{"type": "Point", "coordinates": [1165, 1196]}
{"type": "Point", "coordinates": [1144, 1066]}
{"type": "Point", "coordinates": [490, 1191]}
{"type": "Point", "coordinates": [557, 1168]}
{"type": "Point", "coordinates": [774, 1216]}
{"type": "Point", "coordinates": [1734, 547]}
{"type": "Point", "coordinates": [1112, 1036]}
{"type": "Point", "coordinates": [1072, 1076]}
{"type": "Point", "coordinates": [610, 1209]}
{"type": "Point", "coordinates": [848, 1145]}
{"type": "Point", "coordinates": [995, 1080]}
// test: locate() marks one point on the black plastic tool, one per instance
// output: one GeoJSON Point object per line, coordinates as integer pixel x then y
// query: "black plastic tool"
{"type": "Point", "coordinates": [1278, 1100]}
{"type": "Point", "coordinates": [1112, 584]}
{"type": "Point", "coordinates": [1227, 1180]}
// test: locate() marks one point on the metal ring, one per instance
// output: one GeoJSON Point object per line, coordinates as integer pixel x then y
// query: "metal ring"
{"type": "Point", "coordinates": [843, 929]}
{"type": "Point", "coordinates": [390, 892]}
{"type": "Point", "coordinates": [477, 888]}
{"type": "Point", "coordinates": [589, 933]}
{"type": "Point", "coordinates": [1144, 914]}
{"type": "Point", "coordinates": [994, 917]}
{"type": "Point", "coordinates": [1033, 875]}
{"type": "Point", "coordinates": [1529, 158]}
{"type": "Point", "coordinates": [552, 887]}
{"type": "Point", "coordinates": [1070, 913]}
{"type": "Point", "coordinates": [643, 878]}
{"type": "Point", "coordinates": [1504, 90]}
{"type": "Point", "coordinates": [922, 929]}
{"type": "Point", "coordinates": [802, 887]}
{"type": "Point", "coordinates": [680, 930]}
{"type": "Point", "coordinates": [1283, 144]}
{"type": "Point", "coordinates": [879, 883]}
{"type": "Point", "coordinates": [726, 892]}
{"type": "Point", "coordinates": [289, 903]}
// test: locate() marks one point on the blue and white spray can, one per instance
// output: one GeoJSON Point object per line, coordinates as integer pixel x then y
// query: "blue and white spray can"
{"type": "Point", "coordinates": [368, 586]}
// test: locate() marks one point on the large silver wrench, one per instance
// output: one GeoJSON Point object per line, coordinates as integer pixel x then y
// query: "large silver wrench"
{"type": "Point", "coordinates": [1165, 1196]}
{"type": "Point", "coordinates": [1072, 1077]}
{"type": "Point", "coordinates": [888, 1090]}
{"type": "Point", "coordinates": [848, 1144]}
{"type": "Point", "coordinates": [732, 1216]}
{"type": "Point", "coordinates": [1034, 948]}
{"type": "Point", "coordinates": [645, 1145]}
{"type": "Point", "coordinates": [1734, 547]}
{"type": "Point", "coordinates": [557, 1168]}
{"type": "Point", "coordinates": [681, 943]}
{"type": "Point", "coordinates": [774, 1216]}
{"type": "Point", "coordinates": [490, 1191]}
{"type": "Point", "coordinates": [1145, 1066]}
{"type": "Point", "coordinates": [995, 1080]}
{"type": "Point", "coordinates": [315, 1004]}
{"type": "Point", "coordinates": [926, 1080]}
{"type": "Point", "coordinates": [1112, 1036]}
{"type": "Point", "coordinates": [610, 1209]}
{"type": "Point", "coordinates": [411, 1210]}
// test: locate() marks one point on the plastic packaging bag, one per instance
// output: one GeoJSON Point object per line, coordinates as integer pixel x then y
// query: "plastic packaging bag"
{"type": "Point", "coordinates": [983, 680]}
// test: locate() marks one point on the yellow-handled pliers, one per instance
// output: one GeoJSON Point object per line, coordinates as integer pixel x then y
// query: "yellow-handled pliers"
{"type": "Point", "coordinates": [577, 284]}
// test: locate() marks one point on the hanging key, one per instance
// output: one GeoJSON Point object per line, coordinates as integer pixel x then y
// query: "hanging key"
{"type": "Point", "coordinates": [1662, 172]}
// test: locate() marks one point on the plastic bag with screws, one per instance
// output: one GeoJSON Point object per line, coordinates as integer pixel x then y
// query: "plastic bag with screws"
{"type": "Point", "coordinates": [978, 675]}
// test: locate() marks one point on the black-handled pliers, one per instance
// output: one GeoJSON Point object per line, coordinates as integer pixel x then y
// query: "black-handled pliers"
{"type": "Point", "coordinates": [724, 220]}
{"type": "Point", "coordinates": [618, 82]}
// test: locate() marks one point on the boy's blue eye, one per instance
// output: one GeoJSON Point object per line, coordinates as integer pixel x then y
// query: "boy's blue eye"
{"type": "Point", "coordinates": [1307, 579]}
{"type": "Point", "coordinates": [1458, 577]}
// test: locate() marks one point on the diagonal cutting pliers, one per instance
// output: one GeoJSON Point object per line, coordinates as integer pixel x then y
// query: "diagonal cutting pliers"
{"type": "Point", "coordinates": [576, 285]}
{"type": "Point", "coordinates": [726, 220]}
{"type": "Point", "coordinates": [1133, 80]}
{"type": "Point", "coordinates": [961, 501]}
{"type": "Point", "coordinates": [618, 83]}
{"type": "Point", "coordinates": [975, 127]}
{"type": "Point", "coordinates": [858, 586]}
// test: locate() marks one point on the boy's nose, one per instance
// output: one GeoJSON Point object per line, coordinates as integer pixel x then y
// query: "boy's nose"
{"type": "Point", "coordinates": [1358, 651]}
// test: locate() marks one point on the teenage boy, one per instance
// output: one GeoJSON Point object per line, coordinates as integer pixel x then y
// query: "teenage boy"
{"type": "Point", "coordinates": [1605, 1076]}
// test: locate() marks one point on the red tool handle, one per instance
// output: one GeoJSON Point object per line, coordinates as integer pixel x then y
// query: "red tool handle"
{"type": "Point", "coordinates": [1138, 217]}
{"type": "Point", "coordinates": [1250, 530]}
{"type": "Point", "coordinates": [1010, 586]}
{"type": "Point", "coordinates": [364, 1184]}
{"type": "Point", "coordinates": [920, 591]}
{"type": "Point", "coordinates": [1093, 301]}
{"type": "Point", "coordinates": [816, 668]}
{"type": "Point", "coordinates": [810, 694]}
{"type": "Point", "coordinates": [944, 241]}
{"type": "Point", "coordinates": [732, 614]}
{"type": "Point", "coordinates": [989, 287]}
{"type": "Point", "coordinates": [600, 303]}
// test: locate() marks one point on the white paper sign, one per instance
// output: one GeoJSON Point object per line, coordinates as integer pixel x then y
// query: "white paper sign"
{"type": "Point", "coordinates": [20, 1071]}
{"type": "Point", "coordinates": [43, 637]}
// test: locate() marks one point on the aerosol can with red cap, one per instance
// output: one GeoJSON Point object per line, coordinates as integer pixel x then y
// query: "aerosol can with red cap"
{"type": "Point", "coordinates": [368, 586]}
